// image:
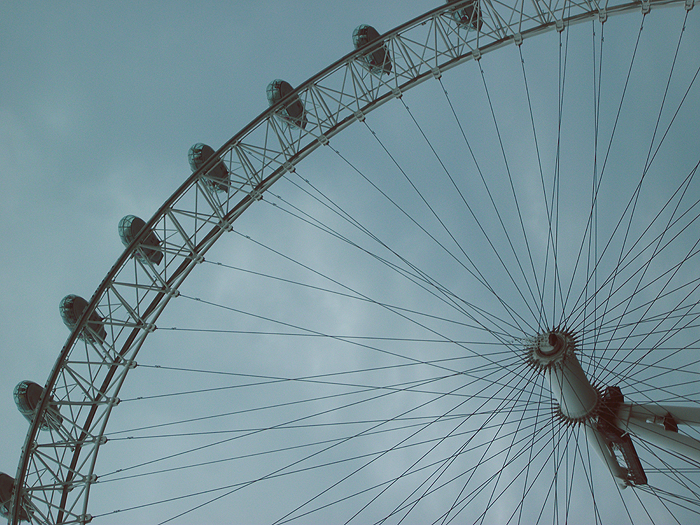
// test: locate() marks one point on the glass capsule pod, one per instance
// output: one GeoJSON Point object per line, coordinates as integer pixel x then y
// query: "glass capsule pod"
{"type": "Point", "coordinates": [71, 308]}
{"type": "Point", "coordinates": [7, 484]}
{"type": "Point", "coordinates": [27, 395]}
{"type": "Point", "coordinates": [376, 60]}
{"type": "Point", "coordinates": [293, 111]}
{"type": "Point", "coordinates": [129, 228]}
{"type": "Point", "coordinates": [217, 177]}
{"type": "Point", "coordinates": [469, 15]}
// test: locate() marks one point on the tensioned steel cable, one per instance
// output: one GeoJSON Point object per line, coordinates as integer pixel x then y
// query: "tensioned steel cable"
{"type": "Point", "coordinates": [508, 172]}
{"type": "Point", "coordinates": [527, 445]}
{"type": "Point", "coordinates": [587, 469]}
{"type": "Point", "coordinates": [472, 471]}
{"type": "Point", "coordinates": [640, 358]}
{"type": "Point", "coordinates": [465, 202]}
{"type": "Point", "coordinates": [481, 278]}
{"type": "Point", "coordinates": [506, 342]}
{"type": "Point", "coordinates": [622, 267]}
{"type": "Point", "coordinates": [410, 422]}
{"type": "Point", "coordinates": [547, 444]}
{"type": "Point", "coordinates": [593, 232]}
{"type": "Point", "coordinates": [459, 451]}
{"type": "Point", "coordinates": [647, 165]}
{"type": "Point", "coordinates": [543, 323]}
{"type": "Point", "coordinates": [297, 420]}
{"type": "Point", "coordinates": [538, 404]}
{"type": "Point", "coordinates": [355, 296]}
{"type": "Point", "coordinates": [612, 136]}
{"type": "Point", "coordinates": [677, 478]}
{"type": "Point", "coordinates": [563, 61]}
{"type": "Point", "coordinates": [434, 287]}
{"type": "Point", "coordinates": [476, 374]}
{"type": "Point", "coordinates": [495, 411]}
{"type": "Point", "coordinates": [489, 193]}
{"type": "Point", "coordinates": [208, 491]}
{"type": "Point", "coordinates": [679, 304]}
{"type": "Point", "coordinates": [491, 500]}
{"type": "Point", "coordinates": [447, 295]}
{"type": "Point", "coordinates": [473, 372]}
{"type": "Point", "coordinates": [669, 313]}
{"type": "Point", "coordinates": [456, 501]}
{"type": "Point", "coordinates": [304, 459]}
{"type": "Point", "coordinates": [439, 464]}
{"type": "Point", "coordinates": [419, 274]}
{"type": "Point", "coordinates": [632, 61]}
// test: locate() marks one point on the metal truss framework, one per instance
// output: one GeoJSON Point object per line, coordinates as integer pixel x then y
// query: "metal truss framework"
{"type": "Point", "coordinates": [56, 468]}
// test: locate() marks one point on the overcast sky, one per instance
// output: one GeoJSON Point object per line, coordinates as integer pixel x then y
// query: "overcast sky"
{"type": "Point", "coordinates": [99, 103]}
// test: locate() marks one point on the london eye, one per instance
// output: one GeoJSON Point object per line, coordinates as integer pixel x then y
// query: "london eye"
{"type": "Point", "coordinates": [451, 277]}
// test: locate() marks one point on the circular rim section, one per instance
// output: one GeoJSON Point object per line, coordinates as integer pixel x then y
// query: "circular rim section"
{"type": "Point", "coordinates": [194, 218]}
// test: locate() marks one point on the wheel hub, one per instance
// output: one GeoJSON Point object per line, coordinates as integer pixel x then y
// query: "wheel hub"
{"type": "Point", "coordinates": [554, 353]}
{"type": "Point", "coordinates": [550, 349]}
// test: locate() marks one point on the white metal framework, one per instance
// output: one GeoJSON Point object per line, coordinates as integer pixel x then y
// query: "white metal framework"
{"type": "Point", "coordinates": [56, 469]}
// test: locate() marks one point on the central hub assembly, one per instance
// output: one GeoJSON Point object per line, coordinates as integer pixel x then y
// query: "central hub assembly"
{"type": "Point", "coordinates": [552, 349]}
{"type": "Point", "coordinates": [554, 353]}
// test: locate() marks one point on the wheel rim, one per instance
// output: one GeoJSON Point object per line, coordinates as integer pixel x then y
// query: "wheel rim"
{"type": "Point", "coordinates": [185, 265]}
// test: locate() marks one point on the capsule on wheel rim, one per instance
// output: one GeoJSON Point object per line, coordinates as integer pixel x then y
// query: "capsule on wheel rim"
{"type": "Point", "coordinates": [293, 112]}
{"type": "Point", "coordinates": [71, 309]}
{"type": "Point", "coordinates": [469, 15]}
{"type": "Point", "coordinates": [27, 395]}
{"type": "Point", "coordinates": [217, 177]}
{"type": "Point", "coordinates": [7, 485]}
{"type": "Point", "coordinates": [377, 59]}
{"type": "Point", "coordinates": [129, 228]}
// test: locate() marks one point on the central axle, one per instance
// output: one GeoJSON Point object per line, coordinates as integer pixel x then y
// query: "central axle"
{"type": "Point", "coordinates": [609, 421]}
{"type": "Point", "coordinates": [554, 353]}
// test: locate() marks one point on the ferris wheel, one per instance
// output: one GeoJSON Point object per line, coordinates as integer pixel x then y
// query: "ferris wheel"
{"type": "Point", "coordinates": [473, 301]}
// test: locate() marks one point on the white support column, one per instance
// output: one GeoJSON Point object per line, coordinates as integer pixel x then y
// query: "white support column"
{"type": "Point", "coordinates": [681, 414]}
{"type": "Point", "coordinates": [555, 353]}
{"type": "Point", "coordinates": [570, 386]}
{"type": "Point", "coordinates": [646, 423]}
{"type": "Point", "coordinates": [598, 443]}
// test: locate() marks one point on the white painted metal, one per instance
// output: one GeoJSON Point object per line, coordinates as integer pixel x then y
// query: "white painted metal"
{"type": "Point", "coordinates": [685, 415]}
{"type": "Point", "coordinates": [576, 397]}
{"type": "Point", "coordinates": [55, 470]}
{"type": "Point", "coordinates": [598, 443]}
{"type": "Point", "coordinates": [646, 422]}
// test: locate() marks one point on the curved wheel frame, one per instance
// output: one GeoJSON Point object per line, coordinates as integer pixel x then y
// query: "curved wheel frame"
{"type": "Point", "coordinates": [56, 468]}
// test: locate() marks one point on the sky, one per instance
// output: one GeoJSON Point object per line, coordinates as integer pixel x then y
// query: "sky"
{"type": "Point", "coordinates": [99, 103]}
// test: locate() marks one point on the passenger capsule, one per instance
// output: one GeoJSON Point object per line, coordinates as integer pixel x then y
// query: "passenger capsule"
{"type": "Point", "coordinates": [7, 484]}
{"type": "Point", "coordinates": [217, 176]}
{"type": "Point", "coordinates": [129, 228]}
{"type": "Point", "coordinates": [469, 15]}
{"type": "Point", "coordinates": [377, 59]}
{"type": "Point", "coordinates": [71, 308]}
{"type": "Point", "coordinates": [27, 395]}
{"type": "Point", "coordinates": [293, 111]}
